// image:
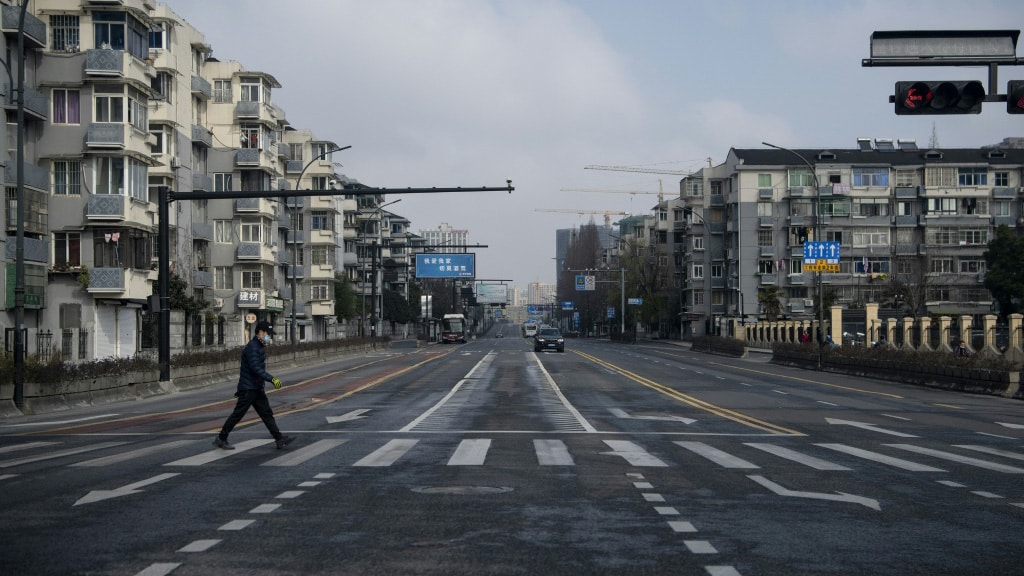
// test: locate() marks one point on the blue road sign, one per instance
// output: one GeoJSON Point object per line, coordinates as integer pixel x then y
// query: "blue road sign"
{"type": "Point", "coordinates": [827, 251]}
{"type": "Point", "coordinates": [446, 265]}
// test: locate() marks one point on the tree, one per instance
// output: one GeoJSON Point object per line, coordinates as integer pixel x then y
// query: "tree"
{"type": "Point", "coordinates": [583, 253]}
{"type": "Point", "coordinates": [768, 298]}
{"type": "Point", "coordinates": [396, 308]}
{"type": "Point", "coordinates": [344, 298]}
{"type": "Point", "coordinates": [415, 292]}
{"type": "Point", "coordinates": [1004, 276]}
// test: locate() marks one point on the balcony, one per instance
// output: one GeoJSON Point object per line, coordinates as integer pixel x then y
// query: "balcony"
{"type": "Point", "coordinates": [202, 182]}
{"type": "Point", "coordinates": [202, 136]}
{"type": "Point", "coordinates": [321, 272]}
{"type": "Point", "coordinates": [202, 231]}
{"type": "Point", "coordinates": [908, 192]}
{"type": "Point", "coordinates": [105, 208]}
{"type": "Point", "coordinates": [253, 206]}
{"type": "Point", "coordinates": [34, 176]}
{"type": "Point", "coordinates": [296, 237]}
{"type": "Point", "coordinates": [717, 200]}
{"type": "Point", "coordinates": [909, 220]}
{"type": "Point", "coordinates": [202, 279]}
{"type": "Point", "coordinates": [767, 250]}
{"type": "Point", "coordinates": [766, 221]}
{"type": "Point", "coordinates": [251, 251]}
{"type": "Point", "coordinates": [768, 279]}
{"type": "Point", "coordinates": [35, 251]}
{"type": "Point", "coordinates": [765, 193]}
{"type": "Point", "coordinates": [322, 308]}
{"type": "Point", "coordinates": [255, 111]}
{"type": "Point", "coordinates": [201, 88]}
{"type": "Point", "coordinates": [37, 105]}
{"type": "Point", "coordinates": [297, 272]}
{"type": "Point", "coordinates": [1004, 221]}
{"type": "Point", "coordinates": [284, 151]}
{"type": "Point", "coordinates": [120, 281]}
{"type": "Point", "coordinates": [36, 212]}
{"type": "Point", "coordinates": [118, 64]}
{"type": "Point", "coordinates": [1004, 192]}
{"type": "Point", "coordinates": [799, 191]}
{"type": "Point", "coordinates": [296, 202]}
{"type": "Point", "coordinates": [35, 29]}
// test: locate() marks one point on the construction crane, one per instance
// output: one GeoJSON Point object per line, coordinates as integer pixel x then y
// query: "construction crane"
{"type": "Point", "coordinates": [660, 193]}
{"type": "Point", "coordinates": [638, 169]}
{"type": "Point", "coordinates": [606, 213]}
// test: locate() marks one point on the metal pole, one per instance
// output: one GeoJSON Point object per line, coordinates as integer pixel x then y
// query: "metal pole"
{"type": "Point", "coordinates": [373, 291]}
{"type": "Point", "coordinates": [622, 301]}
{"type": "Point", "coordinates": [163, 283]}
{"type": "Point", "coordinates": [19, 254]}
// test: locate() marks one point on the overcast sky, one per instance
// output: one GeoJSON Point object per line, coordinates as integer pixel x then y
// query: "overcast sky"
{"type": "Point", "coordinates": [472, 92]}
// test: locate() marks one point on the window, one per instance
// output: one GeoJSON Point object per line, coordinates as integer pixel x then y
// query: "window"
{"type": "Point", "coordinates": [801, 178]}
{"type": "Point", "coordinates": [941, 205]}
{"type": "Point", "coordinates": [796, 266]}
{"type": "Point", "coordinates": [940, 236]}
{"type": "Point", "coordinates": [834, 236]}
{"type": "Point", "coordinates": [765, 237]}
{"type": "Point", "coordinates": [972, 237]}
{"type": "Point", "coordinates": [109, 108]}
{"type": "Point", "coordinates": [158, 36]}
{"type": "Point", "coordinates": [67, 178]}
{"type": "Point", "coordinates": [972, 176]}
{"type": "Point", "coordinates": [322, 220]}
{"type": "Point", "coordinates": [1002, 178]}
{"type": "Point", "coordinates": [716, 270]}
{"type": "Point", "coordinates": [875, 265]}
{"type": "Point", "coordinates": [120, 31]}
{"type": "Point", "coordinates": [697, 272]}
{"type": "Point", "coordinates": [222, 182]}
{"type": "Point", "coordinates": [870, 237]}
{"type": "Point", "coordinates": [694, 187]}
{"type": "Point", "coordinates": [870, 207]}
{"type": "Point", "coordinates": [717, 298]}
{"type": "Point", "coordinates": [999, 208]}
{"type": "Point", "coordinates": [252, 279]}
{"type": "Point", "coordinates": [251, 232]}
{"type": "Point", "coordinates": [250, 136]}
{"type": "Point", "coordinates": [765, 266]}
{"type": "Point", "coordinates": [906, 178]}
{"type": "Point", "coordinates": [974, 206]}
{"type": "Point", "coordinates": [764, 180]}
{"type": "Point", "coordinates": [836, 207]}
{"type": "Point", "coordinates": [871, 177]}
{"type": "Point", "coordinates": [223, 232]}
{"type": "Point", "coordinates": [64, 33]}
{"type": "Point", "coordinates": [940, 176]}
{"type": "Point", "coordinates": [972, 266]}
{"type": "Point", "coordinates": [138, 110]}
{"type": "Point", "coordinates": [321, 255]}
{"type": "Point", "coordinates": [698, 242]}
{"type": "Point", "coordinates": [321, 151]}
{"type": "Point", "coordinates": [905, 236]}
{"type": "Point", "coordinates": [66, 106]}
{"type": "Point", "coordinates": [163, 85]}
{"type": "Point", "coordinates": [109, 175]}
{"type": "Point", "coordinates": [222, 278]}
{"type": "Point", "coordinates": [320, 290]}
{"type": "Point", "coordinates": [698, 298]}
{"type": "Point", "coordinates": [716, 187]}
{"type": "Point", "coordinates": [250, 89]}
{"type": "Point", "coordinates": [222, 91]}
{"type": "Point", "coordinates": [904, 208]}
{"type": "Point", "coordinates": [67, 250]}
{"type": "Point", "coordinates": [159, 148]}
{"type": "Point", "coordinates": [764, 208]}
{"type": "Point", "coordinates": [801, 207]}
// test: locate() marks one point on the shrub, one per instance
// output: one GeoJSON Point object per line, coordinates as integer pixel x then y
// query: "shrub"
{"type": "Point", "coordinates": [719, 345]}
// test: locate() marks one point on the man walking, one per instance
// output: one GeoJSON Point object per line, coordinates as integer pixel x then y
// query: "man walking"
{"type": "Point", "coordinates": [251, 380]}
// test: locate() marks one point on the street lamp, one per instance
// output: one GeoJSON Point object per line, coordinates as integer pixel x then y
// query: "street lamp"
{"type": "Point", "coordinates": [373, 268]}
{"type": "Point", "coordinates": [298, 185]}
{"type": "Point", "coordinates": [817, 237]}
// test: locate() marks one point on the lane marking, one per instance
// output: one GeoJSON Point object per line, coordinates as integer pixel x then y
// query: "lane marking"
{"type": "Point", "coordinates": [237, 525]}
{"type": "Point", "coordinates": [348, 416]}
{"type": "Point", "coordinates": [997, 436]}
{"type": "Point", "coordinates": [620, 413]}
{"type": "Point", "coordinates": [653, 497]}
{"type": "Point", "coordinates": [681, 526]}
{"type": "Point", "coordinates": [219, 454]}
{"type": "Point", "coordinates": [960, 459]}
{"type": "Point", "coordinates": [948, 406]}
{"type": "Point", "coordinates": [296, 457]}
{"type": "Point", "coordinates": [552, 453]}
{"type": "Point", "coordinates": [199, 546]}
{"type": "Point", "coordinates": [806, 460]}
{"type": "Point", "coordinates": [565, 401]}
{"type": "Point", "coordinates": [290, 494]}
{"type": "Point", "coordinates": [633, 453]}
{"type": "Point", "coordinates": [159, 569]}
{"type": "Point", "coordinates": [1011, 425]}
{"type": "Point", "coordinates": [58, 454]}
{"type": "Point", "coordinates": [818, 382]}
{"type": "Point", "coordinates": [133, 454]}
{"type": "Point", "coordinates": [722, 571]}
{"type": "Point", "coordinates": [897, 417]}
{"type": "Point", "coordinates": [985, 494]}
{"type": "Point", "coordinates": [666, 510]}
{"type": "Point", "coordinates": [827, 403]}
{"type": "Point", "coordinates": [25, 446]}
{"type": "Point", "coordinates": [836, 497]}
{"type": "Point", "coordinates": [723, 459]}
{"type": "Point", "coordinates": [264, 509]}
{"type": "Point", "coordinates": [58, 422]}
{"type": "Point", "coordinates": [700, 547]}
{"type": "Point", "coordinates": [866, 426]}
{"type": "Point", "coordinates": [951, 484]}
{"type": "Point", "coordinates": [881, 458]}
{"type": "Point", "coordinates": [993, 451]}
{"type": "Point", "coordinates": [126, 490]}
{"type": "Point", "coordinates": [470, 452]}
{"type": "Point", "coordinates": [387, 454]}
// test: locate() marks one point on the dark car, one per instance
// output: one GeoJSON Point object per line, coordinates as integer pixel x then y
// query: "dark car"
{"type": "Point", "coordinates": [548, 339]}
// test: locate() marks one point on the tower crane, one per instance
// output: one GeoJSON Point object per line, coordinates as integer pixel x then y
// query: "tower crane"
{"type": "Point", "coordinates": [638, 169]}
{"type": "Point", "coordinates": [660, 193]}
{"type": "Point", "coordinates": [606, 213]}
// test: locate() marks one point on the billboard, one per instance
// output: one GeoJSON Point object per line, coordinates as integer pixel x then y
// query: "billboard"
{"type": "Point", "coordinates": [446, 265]}
{"type": "Point", "coordinates": [491, 294]}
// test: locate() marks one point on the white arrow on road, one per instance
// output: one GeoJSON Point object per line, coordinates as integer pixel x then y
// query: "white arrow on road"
{"type": "Point", "coordinates": [623, 414]}
{"type": "Point", "coordinates": [98, 495]}
{"type": "Point", "coordinates": [867, 426]}
{"type": "Point", "coordinates": [1009, 425]}
{"type": "Point", "coordinates": [353, 415]}
{"type": "Point", "coordinates": [837, 497]}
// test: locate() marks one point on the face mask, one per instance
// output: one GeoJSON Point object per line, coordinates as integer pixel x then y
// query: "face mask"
{"type": "Point", "coordinates": [267, 340]}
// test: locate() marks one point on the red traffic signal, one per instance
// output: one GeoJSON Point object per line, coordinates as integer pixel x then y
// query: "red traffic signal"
{"type": "Point", "coordinates": [1015, 97]}
{"type": "Point", "coordinates": [939, 97]}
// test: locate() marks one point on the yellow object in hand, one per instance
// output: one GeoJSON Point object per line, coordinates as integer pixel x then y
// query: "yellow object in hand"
{"type": "Point", "coordinates": [277, 383]}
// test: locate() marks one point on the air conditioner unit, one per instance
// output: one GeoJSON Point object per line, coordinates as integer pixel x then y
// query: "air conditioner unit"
{"type": "Point", "coordinates": [218, 302]}
{"type": "Point", "coordinates": [809, 302]}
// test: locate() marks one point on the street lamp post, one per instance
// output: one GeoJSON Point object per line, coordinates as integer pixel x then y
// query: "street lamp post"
{"type": "Point", "coordinates": [373, 267]}
{"type": "Point", "coordinates": [817, 237]}
{"type": "Point", "coordinates": [298, 185]}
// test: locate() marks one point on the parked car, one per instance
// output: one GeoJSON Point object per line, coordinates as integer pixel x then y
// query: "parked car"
{"type": "Point", "coordinates": [548, 339]}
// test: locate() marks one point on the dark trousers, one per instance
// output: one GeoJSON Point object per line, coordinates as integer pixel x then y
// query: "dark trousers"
{"type": "Point", "coordinates": [259, 401]}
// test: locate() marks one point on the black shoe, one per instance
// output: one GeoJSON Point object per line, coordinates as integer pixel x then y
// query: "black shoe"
{"type": "Point", "coordinates": [222, 444]}
{"type": "Point", "coordinates": [284, 441]}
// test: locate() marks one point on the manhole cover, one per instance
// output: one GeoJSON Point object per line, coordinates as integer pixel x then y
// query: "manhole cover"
{"type": "Point", "coordinates": [462, 489]}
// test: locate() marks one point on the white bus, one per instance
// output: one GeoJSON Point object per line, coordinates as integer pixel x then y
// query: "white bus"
{"type": "Point", "coordinates": [453, 328]}
{"type": "Point", "coordinates": [529, 330]}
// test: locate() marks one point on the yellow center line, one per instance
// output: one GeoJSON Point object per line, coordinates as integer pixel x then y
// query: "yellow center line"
{"type": "Point", "coordinates": [849, 388]}
{"type": "Point", "coordinates": [726, 413]}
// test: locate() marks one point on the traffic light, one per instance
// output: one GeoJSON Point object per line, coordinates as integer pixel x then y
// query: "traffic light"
{"type": "Point", "coordinates": [1015, 97]}
{"type": "Point", "coordinates": [939, 97]}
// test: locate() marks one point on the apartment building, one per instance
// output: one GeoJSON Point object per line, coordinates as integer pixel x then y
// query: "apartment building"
{"type": "Point", "coordinates": [920, 216]}
{"type": "Point", "coordinates": [121, 99]}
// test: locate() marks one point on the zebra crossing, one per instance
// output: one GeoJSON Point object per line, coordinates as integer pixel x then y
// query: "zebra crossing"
{"type": "Point", "coordinates": [546, 452]}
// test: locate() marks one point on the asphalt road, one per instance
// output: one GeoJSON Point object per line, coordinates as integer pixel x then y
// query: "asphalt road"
{"type": "Point", "coordinates": [487, 458]}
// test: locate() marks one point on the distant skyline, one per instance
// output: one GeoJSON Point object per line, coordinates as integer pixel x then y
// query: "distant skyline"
{"type": "Point", "coordinates": [474, 92]}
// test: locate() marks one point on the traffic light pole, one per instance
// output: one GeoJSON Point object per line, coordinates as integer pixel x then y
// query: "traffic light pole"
{"type": "Point", "coordinates": [166, 196]}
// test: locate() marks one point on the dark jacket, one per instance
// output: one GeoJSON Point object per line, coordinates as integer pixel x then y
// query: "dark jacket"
{"type": "Point", "coordinates": [253, 373]}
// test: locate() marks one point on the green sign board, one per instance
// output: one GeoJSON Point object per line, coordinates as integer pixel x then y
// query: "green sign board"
{"type": "Point", "coordinates": [35, 286]}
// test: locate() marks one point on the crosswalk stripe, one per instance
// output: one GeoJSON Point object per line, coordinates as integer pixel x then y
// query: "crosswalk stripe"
{"type": "Point", "coordinates": [470, 452]}
{"type": "Point", "coordinates": [633, 454]}
{"type": "Point", "coordinates": [723, 459]}
{"type": "Point", "coordinates": [806, 460]}
{"type": "Point", "coordinates": [993, 451]}
{"type": "Point", "coordinates": [552, 453]}
{"type": "Point", "coordinates": [881, 458]}
{"type": "Point", "coordinates": [387, 454]}
{"type": "Point", "coordinates": [24, 446]}
{"type": "Point", "coordinates": [960, 459]}
{"type": "Point", "coordinates": [131, 455]}
{"type": "Point", "coordinates": [58, 454]}
{"type": "Point", "coordinates": [218, 454]}
{"type": "Point", "coordinates": [295, 457]}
